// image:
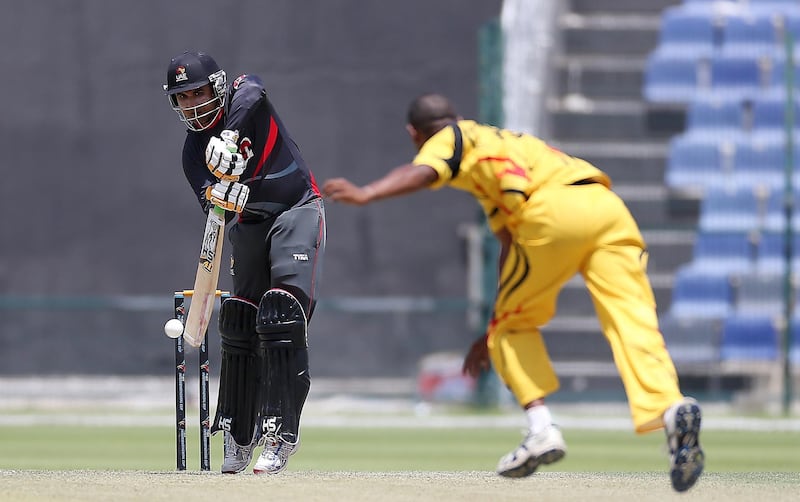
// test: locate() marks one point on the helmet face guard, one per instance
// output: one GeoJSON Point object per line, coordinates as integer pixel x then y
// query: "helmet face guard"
{"type": "Point", "coordinates": [189, 71]}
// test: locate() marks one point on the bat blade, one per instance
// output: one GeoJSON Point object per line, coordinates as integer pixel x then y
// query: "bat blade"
{"type": "Point", "coordinates": [205, 282]}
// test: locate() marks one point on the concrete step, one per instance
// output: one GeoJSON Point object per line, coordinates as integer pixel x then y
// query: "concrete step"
{"type": "Point", "coordinates": [654, 208]}
{"type": "Point", "coordinates": [575, 118]}
{"type": "Point", "coordinates": [600, 77]}
{"type": "Point", "coordinates": [609, 34]}
{"type": "Point", "coordinates": [627, 162]}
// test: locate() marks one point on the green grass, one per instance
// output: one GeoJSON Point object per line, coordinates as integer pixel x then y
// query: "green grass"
{"type": "Point", "coordinates": [381, 450]}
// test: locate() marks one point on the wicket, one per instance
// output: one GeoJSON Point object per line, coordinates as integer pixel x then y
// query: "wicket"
{"type": "Point", "coordinates": [180, 389]}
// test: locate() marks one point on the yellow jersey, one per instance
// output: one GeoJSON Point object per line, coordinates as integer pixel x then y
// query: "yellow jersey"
{"type": "Point", "coordinates": [499, 167]}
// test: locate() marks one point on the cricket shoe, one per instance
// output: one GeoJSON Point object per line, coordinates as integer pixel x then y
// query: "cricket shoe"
{"type": "Point", "coordinates": [275, 456]}
{"type": "Point", "coordinates": [543, 448]}
{"type": "Point", "coordinates": [682, 425]}
{"type": "Point", "coordinates": [237, 458]}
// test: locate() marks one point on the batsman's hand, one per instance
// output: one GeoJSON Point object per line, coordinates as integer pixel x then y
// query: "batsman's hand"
{"type": "Point", "coordinates": [477, 359]}
{"type": "Point", "coordinates": [342, 190]}
{"type": "Point", "coordinates": [229, 195]}
{"type": "Point", "coordinates": [223, 158]}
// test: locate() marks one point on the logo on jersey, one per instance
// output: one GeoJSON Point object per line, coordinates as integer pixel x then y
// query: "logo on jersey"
{"type": "Point", "coordinates": [238, 81]}
{"type": "Point", "coordinates": [300, 256]}
{"type": "Point", "coordinates": [245, 148]}
{"type": "Point", "coordinates": [180, 74]}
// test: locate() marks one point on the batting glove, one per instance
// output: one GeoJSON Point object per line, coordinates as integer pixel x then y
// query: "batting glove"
{"type": "Point", "coordinates": [223, 158]}
{"type": "Point", "coordinates": [229, 195]}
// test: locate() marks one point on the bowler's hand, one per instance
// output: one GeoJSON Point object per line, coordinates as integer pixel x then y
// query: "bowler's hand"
{"type": "Point", "coordinates": [342, 190]}
{"type": "Point", "coordinates": [477, 359]}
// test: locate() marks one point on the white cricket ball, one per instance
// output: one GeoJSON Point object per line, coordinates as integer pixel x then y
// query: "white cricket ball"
{"type": "Point", "coordinates": [173, 328]}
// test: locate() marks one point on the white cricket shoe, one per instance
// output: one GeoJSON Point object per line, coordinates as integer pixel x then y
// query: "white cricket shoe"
{"type": "Point", "coordinates": [543, 448]}
{"type": "Point", "coordinates": [237, 458]}
{"type": "Point", "coordinates": [682, 425]}
{"type": "Point", "coordinates": [275, 456]}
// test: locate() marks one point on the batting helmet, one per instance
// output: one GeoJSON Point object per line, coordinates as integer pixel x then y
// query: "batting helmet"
{"type": "Point", "coordinates": [190, 71]}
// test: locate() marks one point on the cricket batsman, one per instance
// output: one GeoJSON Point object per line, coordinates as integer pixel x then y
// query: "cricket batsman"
{"type": "Point", "coordinates": [238, 155]}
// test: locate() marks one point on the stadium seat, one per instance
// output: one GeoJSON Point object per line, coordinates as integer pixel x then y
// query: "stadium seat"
{"type": "Point", "coordinates": [738, 209]}
{"type": "Point", "coordinates": [715, 118]}
{"type": "Point", "coordinates": [697, 294]}
{"type": "Point", "coordinates": [738, 77]}
{"type": "Point", "coordinates": [684, 34]}
{"type": "Point", "coordinates": [769, 119]}
{"type": "Point", "coordinates": [671, 80]}
{"type": "Point", "coordinates": [777, 78]}
{"type": "Point", "coordinates": [759, 294]}
{"type": "Point", "coordinates": [769, 113]}
{"type": "Point", "coordinates": [750, 35]}
{"type": "Point", "coordinates": [775, 217]}
{"type": "Point", "coordinates": [759, 163]}
{"type": "Point", "coordinates": [771, 252]}
{"type": "Point", "coordinates": [722, 253]}
{"type": "Point", "coordinates": [748, 338]}
{"type": "Point", "coordinates": [695, 162]}
{"type": "Point", "coordinates": [691, 339]}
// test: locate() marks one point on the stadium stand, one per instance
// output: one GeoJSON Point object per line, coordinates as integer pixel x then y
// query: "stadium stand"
{"type": "Point", "coordinates": [698, 116]}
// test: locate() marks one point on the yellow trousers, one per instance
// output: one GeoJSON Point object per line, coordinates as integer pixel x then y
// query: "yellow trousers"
{"type": "Point", "coordinates": [586, 229]}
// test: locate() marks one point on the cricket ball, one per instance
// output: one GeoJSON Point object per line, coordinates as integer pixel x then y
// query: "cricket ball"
{"type": "Point", "coordinates": [173, 328]}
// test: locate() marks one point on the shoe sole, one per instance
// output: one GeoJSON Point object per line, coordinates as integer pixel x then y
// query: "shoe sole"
{"type": "Point", "coordinates": [689, 459]}
{"type": "Point", "coordinates": [533, 463]}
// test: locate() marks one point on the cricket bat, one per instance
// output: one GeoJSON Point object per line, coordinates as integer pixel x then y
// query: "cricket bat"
{"type": "Point", "coordinates": [205, 282]}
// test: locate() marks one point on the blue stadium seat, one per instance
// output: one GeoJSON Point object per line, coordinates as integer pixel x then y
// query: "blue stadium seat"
{"type": "Point", "coordinates": [769, 118]}
{"type": "Point", "coordinates": [670, 80]}
{"type": "Point", "coordinates": [684, 34]}
{"type": "Point", "coordinates": [694, 163]}
{"type": "Point", "coordinates": [759, 294]}
{"type": "Point", "coordinates": [738, 77]}
{"type": "Point", "coordinates": [758, 163]}
{"type": "Point", "coordinates": [691, 339]}
{"type": "Point", "coordinates": [775, 217]}
{"type": "Point", "coordinates": [749, 338]}
{"type": "Point", "coordinates": [771, 252]}
{"type": "Point", "coordinates": [750, 35]}
{"type": "Point", "coordinates": [737, 209]}
{"type": "Point", "coordinates": [777, 78]}
{"type": "Point", "coordinates": [722, 253]}
{"type": "Point", "coordinates": [715, 118]}
{"type": "Point", "coordinates": [697, 294]}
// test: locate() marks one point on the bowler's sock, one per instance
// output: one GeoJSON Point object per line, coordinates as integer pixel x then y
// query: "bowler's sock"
{"type": "Point", "coordinates": [538, 418]}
